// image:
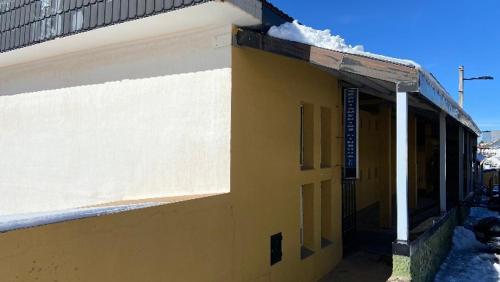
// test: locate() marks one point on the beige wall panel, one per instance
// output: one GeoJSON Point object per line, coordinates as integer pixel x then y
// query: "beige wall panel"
{"type": "Point", "coordinates": [141, 120]}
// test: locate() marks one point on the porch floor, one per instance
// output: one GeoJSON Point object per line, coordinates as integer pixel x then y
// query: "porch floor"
{"type": "Point", "coordinates": [375, 267]}
{"type": "Point", "coordinates": [371, 248]}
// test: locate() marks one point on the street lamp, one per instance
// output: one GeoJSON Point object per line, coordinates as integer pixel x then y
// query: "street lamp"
{"type": "Point", "coordinates": [461, 80]}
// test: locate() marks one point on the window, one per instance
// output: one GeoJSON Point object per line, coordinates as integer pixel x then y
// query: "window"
{"type": "Point", "coordinates": [326, 213]}
{"type": "Point", "coordinates": [276, 249]}
{"type": "Point", "coordinates": [306, 220]}
{"type": "Point", "coordinates": [306, 136]}
{"type": "Point", "coordinates": [326, 137]}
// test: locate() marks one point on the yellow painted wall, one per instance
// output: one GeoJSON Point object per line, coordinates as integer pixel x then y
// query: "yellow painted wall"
{"type": "Point", "coordinates": [367, 190]}
{"type": "Point", "coordinates": [490, 178]}
{"type": "Point", "coordinates": [265, 172]}
{"type": "Point", "coordinates": [220, 238]}
{"type": "Point", "coordinates": [412, 162]}
{"type": "Point", "coordinates": [187, 241]}
{"type": "Point", "coordinates": [386, 163]}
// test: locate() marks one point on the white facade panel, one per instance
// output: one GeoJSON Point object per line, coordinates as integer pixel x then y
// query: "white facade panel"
{"type": "Point", "coordinates": [150, 119]}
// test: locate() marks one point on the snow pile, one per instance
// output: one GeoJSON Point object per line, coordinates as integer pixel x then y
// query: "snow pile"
{"type": "Point", "coordinates": [492, 159]}
{"type": "Point", "coordinates": [470, 260]}
{"type": "Point", "coordinates": [491, 153]}
{"type": "Point", "coordinates": [13, 222]}
{"type": "Point", "coordinates": [480, 213]}
{"type": "Point", "coordinates": [320, 38]}
{"type": "Point", "coordinates": [296, 32]}
{"type": "Point", "coordinates": [464, 240]}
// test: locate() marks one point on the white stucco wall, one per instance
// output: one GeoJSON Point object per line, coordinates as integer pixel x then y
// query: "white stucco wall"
{"type": "Point", "coordinates": [148, 119]}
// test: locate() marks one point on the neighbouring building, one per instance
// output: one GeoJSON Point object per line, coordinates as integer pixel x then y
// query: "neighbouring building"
{"type": "Point", "coordinates": [147, 140]}
{"type": "Point", "coordinates": [490, 136]}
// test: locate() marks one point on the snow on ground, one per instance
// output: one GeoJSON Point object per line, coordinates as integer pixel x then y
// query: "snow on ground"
{"type": "Point", "coordinates": [480, 213]}
{"type": "Point", "coordinates": [469, 260]}
{"type": "Point", "coordinates": [297, 32]}
{"type": "Point", "coordinates": [13, 222]}
{"type": "Point", "coordinates": [492, 159]}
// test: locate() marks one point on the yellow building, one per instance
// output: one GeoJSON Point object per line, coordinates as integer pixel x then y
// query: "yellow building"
{"type": "Point", "coordinates": [174, 141]}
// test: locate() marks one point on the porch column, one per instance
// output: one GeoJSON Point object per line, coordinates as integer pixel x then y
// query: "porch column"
{"type": "Point", "coordinates": [460, 163]}
{"type": "Point", "coordinates": [402, 165]}
{"type": "Point", "coordinates": [442, 162]}
{"type": "Point", "coordinates": [469, 163]}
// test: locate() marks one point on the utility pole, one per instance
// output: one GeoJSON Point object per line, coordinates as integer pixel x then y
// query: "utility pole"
{"type": "Point", "coordinates": [461, 80]}
{"type": "Point", "coordinates": [461, 86]}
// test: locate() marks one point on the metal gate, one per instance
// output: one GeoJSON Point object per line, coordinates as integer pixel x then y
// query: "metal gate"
{"type": "Point", "coordinates": [348, 212]}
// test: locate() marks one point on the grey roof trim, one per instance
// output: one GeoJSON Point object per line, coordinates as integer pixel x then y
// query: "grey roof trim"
{"type": "Point", "coordinates": [252, 7]}
{"type": "Point", "coordinates": [430, 88]}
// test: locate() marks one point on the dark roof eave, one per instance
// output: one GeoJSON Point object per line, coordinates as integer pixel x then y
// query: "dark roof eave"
{"type": "Point", "coordinates": [335, 60]}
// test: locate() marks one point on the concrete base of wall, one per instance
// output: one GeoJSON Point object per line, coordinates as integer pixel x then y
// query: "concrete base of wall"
{"type": "Point", "coordinates": [420, 260]}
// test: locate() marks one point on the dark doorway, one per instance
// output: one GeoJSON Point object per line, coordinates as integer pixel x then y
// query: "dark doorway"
{"type": "Point", "coordinates": [348, 213]}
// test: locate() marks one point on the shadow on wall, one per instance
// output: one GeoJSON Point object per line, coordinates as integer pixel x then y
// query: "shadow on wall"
{"type": "Point", "coordinates": [169, 55]}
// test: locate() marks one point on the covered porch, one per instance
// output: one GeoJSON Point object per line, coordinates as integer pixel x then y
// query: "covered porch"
{"type": "Point", "coordinates": [415, 157]}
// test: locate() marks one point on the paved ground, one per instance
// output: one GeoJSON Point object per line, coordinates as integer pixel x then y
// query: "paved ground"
{"type": "Point", "coordinates": [361, 267]}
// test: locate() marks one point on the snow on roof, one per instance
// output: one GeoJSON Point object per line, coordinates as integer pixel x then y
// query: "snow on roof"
{"type": "Point", "coordinates": [297, 32]}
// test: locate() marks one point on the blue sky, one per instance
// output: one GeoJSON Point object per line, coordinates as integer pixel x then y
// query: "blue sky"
{"type": "Point", "coordinates": [438, 34]}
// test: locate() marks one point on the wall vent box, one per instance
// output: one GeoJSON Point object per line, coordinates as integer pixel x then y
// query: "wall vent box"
{"type": "Point", "coordinates": [276, 252]}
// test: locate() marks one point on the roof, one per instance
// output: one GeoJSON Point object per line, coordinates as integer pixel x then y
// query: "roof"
{"type": "Point", "coordinates": [28, 22]}
{"type": "Point", "coordinates": [273, 16]}
{"type": "Point", "coordinates": [386, 76]}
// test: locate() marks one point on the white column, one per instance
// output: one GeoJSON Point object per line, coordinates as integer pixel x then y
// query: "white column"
{"type": "Point", "coordinates": [402, 165]}
{"type": "Point", "coordinates": [460, 163]}
{"type": "Point", "coordinates": [442, 162]}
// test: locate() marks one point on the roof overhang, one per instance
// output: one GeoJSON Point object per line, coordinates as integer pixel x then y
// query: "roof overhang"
{"type": "Point", "coordinates": [385, 75]}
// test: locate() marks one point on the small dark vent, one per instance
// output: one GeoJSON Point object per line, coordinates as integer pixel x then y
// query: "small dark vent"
{"type": "Point", "coordinates": [276, 252]}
